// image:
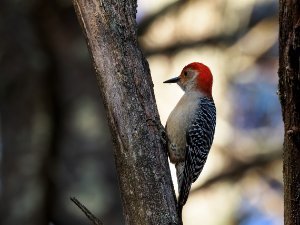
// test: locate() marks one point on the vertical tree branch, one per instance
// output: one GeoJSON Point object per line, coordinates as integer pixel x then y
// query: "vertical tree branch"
{"type": "Point", "coordinates": [127, 90]}
{"type": "Point", "coordinates": [289, 89]}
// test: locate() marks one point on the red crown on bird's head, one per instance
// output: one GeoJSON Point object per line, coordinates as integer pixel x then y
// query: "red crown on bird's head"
{"type": "Point", "coordinates": [204, 78]}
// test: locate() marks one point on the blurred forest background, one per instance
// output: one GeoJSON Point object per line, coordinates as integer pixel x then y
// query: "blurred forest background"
{"type": "Point", "coordinates": [54, 138]}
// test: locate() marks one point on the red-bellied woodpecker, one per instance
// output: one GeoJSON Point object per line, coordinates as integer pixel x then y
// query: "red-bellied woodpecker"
{"type": "Point", "coordinates": [190, 127]}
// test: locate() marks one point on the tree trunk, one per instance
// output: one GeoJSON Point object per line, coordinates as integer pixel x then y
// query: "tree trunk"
{"type": "Point", "coordinates": [127, 91]}
{"type": "Point", "coordinates": [289, 90]}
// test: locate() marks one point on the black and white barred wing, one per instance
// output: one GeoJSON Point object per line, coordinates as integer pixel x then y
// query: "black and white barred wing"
{"type": "Point", "coordinates": [199, 140]}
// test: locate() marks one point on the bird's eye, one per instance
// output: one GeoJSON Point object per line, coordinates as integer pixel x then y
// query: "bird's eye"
{"type": "Point", "coordinates": [185, 73]}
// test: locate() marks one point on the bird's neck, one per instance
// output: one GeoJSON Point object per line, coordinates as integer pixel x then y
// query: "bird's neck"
{"type": "Point", "coordinates": [195, 92]}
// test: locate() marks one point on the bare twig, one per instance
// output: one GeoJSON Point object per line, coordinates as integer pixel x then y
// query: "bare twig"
{"type": "Point", "coordinates": [217, 40]}
{"type": "Point", "coordinates": [176, 47]}
{"type": "Point", "coordinates": [241, 168]}
{"type": "Point", "coordinates": [148, 21]}
{"type": "Point", "coordinates": [87, 212]}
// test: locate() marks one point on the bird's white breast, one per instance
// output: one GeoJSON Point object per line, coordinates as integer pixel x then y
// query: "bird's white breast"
{"type": "Point", "coordinates": [178, 123]}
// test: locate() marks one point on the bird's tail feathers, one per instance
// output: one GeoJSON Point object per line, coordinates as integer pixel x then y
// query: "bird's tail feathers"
{"type": "Point", "coordinates": [179, 172]}
{"type": "Point", "coordinates": [184, 186]}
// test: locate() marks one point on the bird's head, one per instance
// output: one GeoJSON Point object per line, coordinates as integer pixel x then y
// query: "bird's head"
{"type": "Point", "coordinates": [194, 77]}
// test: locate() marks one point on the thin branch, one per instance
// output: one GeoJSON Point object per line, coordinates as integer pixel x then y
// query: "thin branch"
{"type": "Point", "coordinates": [221, 39]}
{"type": "Point", "coordinates": [87, 212]}
{"type": "Point", "coordinates": [269, 10]}
{"type": "Point", "coordinates": [176, 47]}
{"type": "Point", "coordinates": [240, 168]}
{"type": "Point", "coordinates": [148, 21]}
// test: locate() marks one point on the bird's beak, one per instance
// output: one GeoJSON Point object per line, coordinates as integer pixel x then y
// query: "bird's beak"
{"type": "Point", "coordinates": [172, 80]}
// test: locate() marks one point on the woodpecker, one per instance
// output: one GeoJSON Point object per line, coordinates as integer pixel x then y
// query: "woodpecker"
{"type": "Point", "coordinates": [190, 127]}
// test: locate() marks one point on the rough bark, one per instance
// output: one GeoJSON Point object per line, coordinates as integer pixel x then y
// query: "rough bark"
{"type": "Point", "coordinates": [127, 91]}
{"type": "Point", "coordinates": [289, 91]}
